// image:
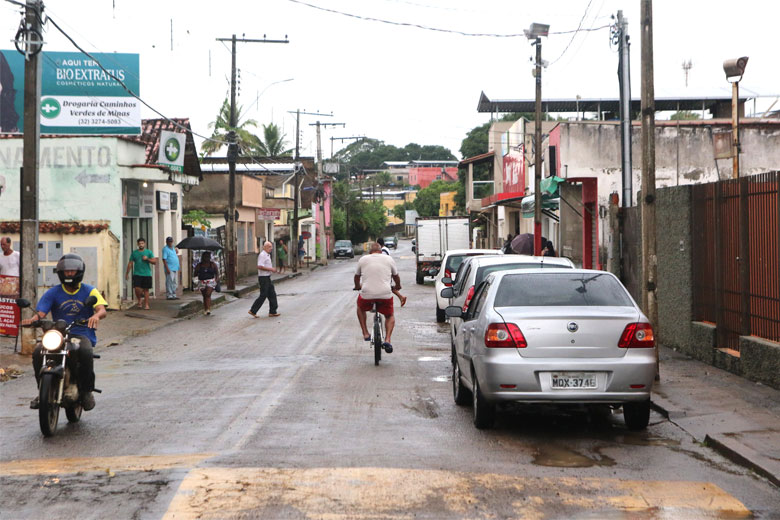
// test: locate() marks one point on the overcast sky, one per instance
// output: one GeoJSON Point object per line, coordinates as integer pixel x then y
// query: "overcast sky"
{"type": "Point", "coordinates": [399, 83]}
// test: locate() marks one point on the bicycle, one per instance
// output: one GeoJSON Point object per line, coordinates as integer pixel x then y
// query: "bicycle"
{"type": "Point", "coordinates": [377, 338]}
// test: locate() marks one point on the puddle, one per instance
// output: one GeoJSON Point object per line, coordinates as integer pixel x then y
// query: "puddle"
{"type": "Point", "coordinates": [424, 406]}
{"type": "Point", "coordinates": [430, 358]}
{"type": "Point", "coordinates": [645, 441]}
{"type": "Point", "coordinates": [441, 379]}
{"type": "Point", "coordinates": [559, 457]}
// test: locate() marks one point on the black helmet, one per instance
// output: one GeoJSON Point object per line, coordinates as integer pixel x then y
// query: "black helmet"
{"type": "Point", "coordinates": [70, 262]}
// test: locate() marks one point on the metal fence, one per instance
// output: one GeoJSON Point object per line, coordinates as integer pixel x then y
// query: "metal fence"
{"type": "Point", "coordinates": [736, 257]}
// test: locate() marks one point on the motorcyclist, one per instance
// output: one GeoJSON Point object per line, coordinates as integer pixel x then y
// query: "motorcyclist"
{"type": "Point", "coordinates": [66, 302]}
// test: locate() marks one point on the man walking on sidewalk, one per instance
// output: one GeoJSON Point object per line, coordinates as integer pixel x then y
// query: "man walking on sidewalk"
{"type": "Point", "coordinates": [171, 263]}
{"type": "Point", "coordinates": [264, 269]}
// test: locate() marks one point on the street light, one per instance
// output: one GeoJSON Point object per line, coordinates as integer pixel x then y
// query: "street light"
{"type": "Point", "coordinates": [535, 33]}
{"type": "Point", "coordinates": [734, 70]}
{"type": "Point", "coordinates": [257, 97]}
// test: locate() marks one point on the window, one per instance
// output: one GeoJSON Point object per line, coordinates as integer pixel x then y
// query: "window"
{"type": "Point", "coordinates": [561, 290]}
{"type": "Point", "coordinates": [480, 295]}
{"type": "Point", "coordinates": [553, 161]}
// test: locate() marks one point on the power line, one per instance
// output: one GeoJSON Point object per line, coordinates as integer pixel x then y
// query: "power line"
{"type": "Point", "coordinates": [575, 33]}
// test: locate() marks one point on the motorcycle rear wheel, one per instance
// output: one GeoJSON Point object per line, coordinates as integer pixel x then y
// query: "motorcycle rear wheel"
{"type": "Point", "coordinates": [48, 409]}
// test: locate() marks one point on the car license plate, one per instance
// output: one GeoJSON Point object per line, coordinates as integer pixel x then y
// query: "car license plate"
{"type": "Point", "coordinates": [573, 380]}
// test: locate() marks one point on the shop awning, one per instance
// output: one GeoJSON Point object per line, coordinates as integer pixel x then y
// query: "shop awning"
{"type": "Point", "coordinates": [550, 196]}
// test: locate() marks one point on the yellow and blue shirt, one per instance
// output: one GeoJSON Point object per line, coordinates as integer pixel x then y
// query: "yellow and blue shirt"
{"type": "Point", "coordinates": [69, 306]}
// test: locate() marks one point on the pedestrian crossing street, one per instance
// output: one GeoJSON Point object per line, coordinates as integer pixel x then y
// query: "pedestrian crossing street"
{"type": "Point", "coordinates": [344, 492]}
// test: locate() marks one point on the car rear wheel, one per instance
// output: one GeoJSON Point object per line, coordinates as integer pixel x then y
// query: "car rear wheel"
{"type": "Point", "coordinates": [484, 412]}
{"type": "Point", "coordinates": [459, 392]}
{"type": "Point", "coordinates": [440, 316]}
{"type": "Point", "coordinates": [420, 278]}
{"type": "Point", "coordinates": [636, 415]}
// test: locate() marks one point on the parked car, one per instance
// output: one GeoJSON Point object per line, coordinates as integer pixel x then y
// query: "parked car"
{"type": "Point", "coordinates": [391, 242]}
{"type": "Point", "coordinates": [343, 248]}
{"type": "Point", "coordinates": [449, 266]}
{"type": "Point", "coordinates": [565, 336]}
{"type": "Point", "coordinates": [474, 269]}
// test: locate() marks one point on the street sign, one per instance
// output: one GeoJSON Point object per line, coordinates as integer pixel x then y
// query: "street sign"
{"type": "Point", "coordinates": [268, 213]}
{"type": "Point", "coordinates": [306, 235]}
{"type": "Point", "coordinates": [77, 96]}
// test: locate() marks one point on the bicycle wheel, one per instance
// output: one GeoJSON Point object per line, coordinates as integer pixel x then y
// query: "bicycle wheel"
{"type": "Point", "coordinates": [377, 339]}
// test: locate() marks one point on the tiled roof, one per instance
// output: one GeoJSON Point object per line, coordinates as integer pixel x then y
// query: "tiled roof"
{"type": "Point", "coordinates": [150, 137]}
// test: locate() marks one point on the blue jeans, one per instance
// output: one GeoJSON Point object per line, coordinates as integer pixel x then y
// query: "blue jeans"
{"type": "Point", "coordinates": [171, 282]}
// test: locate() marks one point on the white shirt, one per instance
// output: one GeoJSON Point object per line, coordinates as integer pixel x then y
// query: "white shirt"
{"type": "Point", "coordinates": [264, 260]}
{"type": "Point", "coordinates": [376, 270]}
{"type": "Point", "coordinates": [385, 251]}
{"type": "Point", "coordinates": [9, 265]}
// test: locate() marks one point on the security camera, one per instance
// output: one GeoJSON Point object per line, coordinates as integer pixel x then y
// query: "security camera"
{"type": "Point", "coordinates": [735, 68]}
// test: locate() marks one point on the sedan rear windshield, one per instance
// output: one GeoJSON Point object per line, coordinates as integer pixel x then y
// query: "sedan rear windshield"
{"type": "Point", "coordinates": [561, 290]}
{"type": "Point", "coordinates": [482, 272]}
{"type": "Point", "coordinates": [454, 261]}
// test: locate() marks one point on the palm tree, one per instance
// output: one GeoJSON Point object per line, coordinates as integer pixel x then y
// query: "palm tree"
{"type": "Point", "coordinates": [272, 144]}
{"type": "Point", "coordinates": [246, 140]}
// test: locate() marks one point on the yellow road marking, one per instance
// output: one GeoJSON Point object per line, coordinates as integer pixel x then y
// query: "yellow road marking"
{"type": "Point", "coordinates": [87, 464]}
{"type": "Point", "coordinates": [342, 493]}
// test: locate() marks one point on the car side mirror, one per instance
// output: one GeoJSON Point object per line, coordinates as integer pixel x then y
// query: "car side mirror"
{"type": "Point", "coordinates": [446, 280]}
{"type": "Point", "coordinates": [447, 292]}
{"type": "Point", "coordinates": [22, 303]}
{"type": "Point", "coordinates": [453, 311]}
{"type": "Point", "coordinates": [433, 272]}
{"type": "Point", "coordinates": [414, 249]}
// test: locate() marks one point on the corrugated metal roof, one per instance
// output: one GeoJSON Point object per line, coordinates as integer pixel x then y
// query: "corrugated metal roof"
{"type": "Point", "coordinates": [596, 105]}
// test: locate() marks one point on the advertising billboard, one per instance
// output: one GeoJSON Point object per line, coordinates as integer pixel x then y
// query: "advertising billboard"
{"type": "Point", "coordinates": [78, 97]}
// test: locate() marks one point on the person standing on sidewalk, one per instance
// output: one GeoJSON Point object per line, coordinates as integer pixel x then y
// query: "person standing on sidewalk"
{"type": "Point", "coordinates": [264, 269]}
{"type": "Point", "coordinates": [281, 254]}
{"type": "Point", "coordinates": [171, 263]}
{"type": "Point", "coordinates": [141, 261]}
{"type": "Point", "coordinates": [9, 260]}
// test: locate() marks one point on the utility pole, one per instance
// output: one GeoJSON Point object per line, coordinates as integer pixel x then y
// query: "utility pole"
{"type": "Point", "coordinates": [535, 33]}
{"type": "Point", "coordinates": [321, 192]}
{"type": "Point", "coordinates": [624, 77]}
{"type": "Point", "coordinates": [232, 155]}
{"type": "Point", "coordinates": [649, 260]}
{"type": "Point", "coordinates": [538, 152]}
{"type": "Point", "coordinates": [28, 233]}
{"type": "Point", "coordinates": [294, 243]}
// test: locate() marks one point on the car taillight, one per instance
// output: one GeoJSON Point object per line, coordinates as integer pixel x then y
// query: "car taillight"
{"type": "Point", "coordinates": [448, 274]}
{"type": "Point", "coordinates": [469, 296]}
{"type": "Point", "coordinates": [502, 335]}
{"type": "Point", "coordinates": [637, 335]}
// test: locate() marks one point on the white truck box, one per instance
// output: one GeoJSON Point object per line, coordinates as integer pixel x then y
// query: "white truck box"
{"type": "Point", "coordinates": [434, 237]}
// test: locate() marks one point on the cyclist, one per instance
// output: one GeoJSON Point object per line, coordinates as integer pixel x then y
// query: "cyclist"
{"type": "Point", "coordinates": [66, 302]}
{"type": "Point", "coordinates": [376, 271]}
{"type": "Point", "coordinates": [396, 290]}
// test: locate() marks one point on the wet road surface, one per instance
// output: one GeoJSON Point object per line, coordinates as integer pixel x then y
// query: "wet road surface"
{"type": "Point", "coordinates": [225, 416]}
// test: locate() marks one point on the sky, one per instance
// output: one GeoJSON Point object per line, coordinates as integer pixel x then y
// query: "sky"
{"type": "Point", "coordinates": [401, 83]}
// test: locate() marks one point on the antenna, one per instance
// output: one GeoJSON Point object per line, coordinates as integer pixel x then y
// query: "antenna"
{"type": "Point", "coordinates": [687, 65]}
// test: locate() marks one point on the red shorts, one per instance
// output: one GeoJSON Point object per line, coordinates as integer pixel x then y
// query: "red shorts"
{"type": "Point", "coordinates": [383, 306]}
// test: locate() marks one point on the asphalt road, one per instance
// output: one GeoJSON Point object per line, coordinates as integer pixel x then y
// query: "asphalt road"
{"type": "Point", "coordinates": [225, 416]}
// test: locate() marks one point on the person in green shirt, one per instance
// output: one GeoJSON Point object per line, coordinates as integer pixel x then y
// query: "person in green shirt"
{"type": "Point", "coordinates": [141, 261]}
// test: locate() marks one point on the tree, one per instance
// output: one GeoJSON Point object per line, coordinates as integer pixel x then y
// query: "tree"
{"type": "Point", "coordinates": [399, 211]}
{"type": "Point", "coordinates": [368, 219]}
{"type": "Point", "coordinates": [246, 140]}
{"type": "Point", "coordinates": [273, 143]}
{"type": "Point", "coordinates": [684, 115]}
{"type": "Point", "coordinates": [427, 201]}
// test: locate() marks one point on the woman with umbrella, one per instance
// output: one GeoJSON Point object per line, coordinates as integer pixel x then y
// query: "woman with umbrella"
{"type": "Point", "coordinates": [208, 277]}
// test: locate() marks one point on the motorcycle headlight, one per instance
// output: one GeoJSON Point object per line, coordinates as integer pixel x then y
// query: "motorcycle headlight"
{"type": "Point", "coordinates": [52, 340]}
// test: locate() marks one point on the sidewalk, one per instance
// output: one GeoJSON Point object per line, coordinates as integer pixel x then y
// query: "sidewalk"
{"type": "Point", "coordinates": [122, 324]}
{"type": "Point", "coordinates": [736, 417]}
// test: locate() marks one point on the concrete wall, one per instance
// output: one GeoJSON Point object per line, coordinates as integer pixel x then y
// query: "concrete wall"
{"type": "Point", "coordinates": [759, 359]}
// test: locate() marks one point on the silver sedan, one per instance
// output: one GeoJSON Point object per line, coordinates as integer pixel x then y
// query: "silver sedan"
{"type": "Point", "coordinates": [553, 336]}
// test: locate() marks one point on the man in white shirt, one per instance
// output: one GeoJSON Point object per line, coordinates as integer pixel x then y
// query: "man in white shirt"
{"type": "Point", "coordinates": [9, 260]}
{"type": "Point", "coordinates": [376, 271]}
{"type": "Point", "coordinates": [265, 267]}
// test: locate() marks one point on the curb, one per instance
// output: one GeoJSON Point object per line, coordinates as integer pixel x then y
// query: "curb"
{"type": "Point", "coordinates": [726, 446]}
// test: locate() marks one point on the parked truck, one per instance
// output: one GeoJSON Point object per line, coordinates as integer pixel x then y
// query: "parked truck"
{"type": "Point", "coordinates": [433, 237]}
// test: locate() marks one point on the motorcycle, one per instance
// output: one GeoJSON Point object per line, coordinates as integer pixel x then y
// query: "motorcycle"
{"type": "Point", "coordinates": [58, 386]}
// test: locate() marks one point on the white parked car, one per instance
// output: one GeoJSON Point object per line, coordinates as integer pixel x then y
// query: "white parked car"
{"type": "Point", "coordinates": [449, 266]}
{"type": "Point", "coordinates": [554, 336]}
{"type": "Point", "coordinates": [475, 269]}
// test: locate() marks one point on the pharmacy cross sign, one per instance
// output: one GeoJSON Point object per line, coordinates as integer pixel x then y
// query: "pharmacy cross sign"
{"type": "Point", "coordinates": [172, 150]}
{"type": "Point", "coordinates": [50, 108]}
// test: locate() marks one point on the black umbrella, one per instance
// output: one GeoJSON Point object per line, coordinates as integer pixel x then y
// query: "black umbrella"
{"type": "Point", "coordinates": [199, 242]}
{"type": "Point", "coordinates": [523, 244]}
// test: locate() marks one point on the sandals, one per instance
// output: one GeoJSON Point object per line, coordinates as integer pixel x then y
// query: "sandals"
{"type": "Point", "coordinates": [388, 347]}
{"type": "Point", "coordinates": [366, 338]}
{"type": "Point", "coordinates": [403, 301]}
